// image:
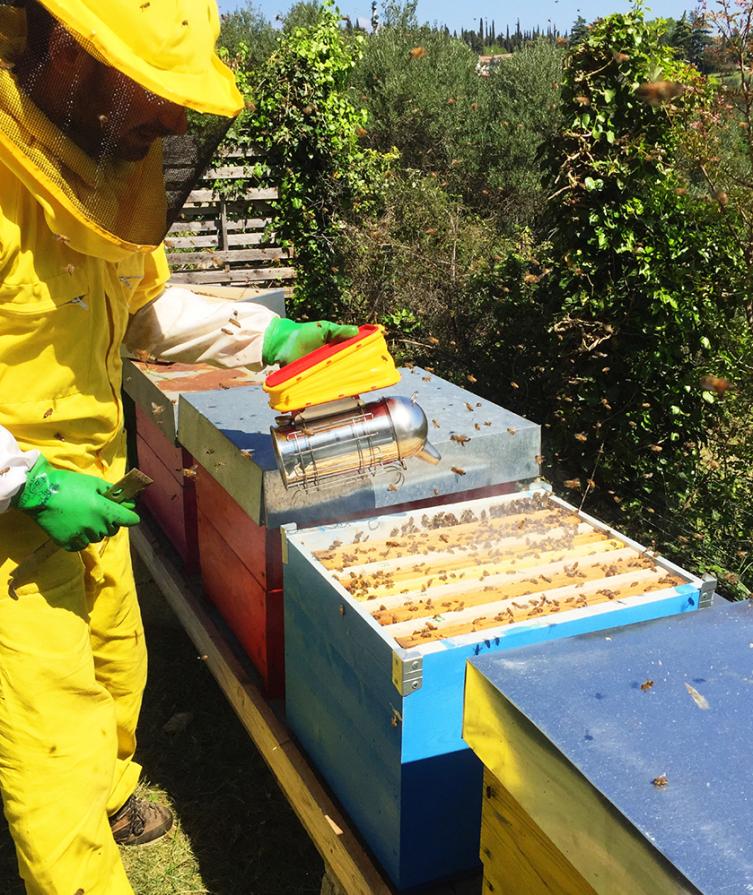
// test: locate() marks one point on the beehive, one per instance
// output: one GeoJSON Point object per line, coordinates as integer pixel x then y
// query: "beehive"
{"type": "Point", "coordinates": [611, 762]}
{"type": "Point", "coordinates": [242, 501]}
{"type": "Point", "coordinates": [380, 618]}
{"type": "Point", "coordinates": [525, 559]}
{"type": "Point", "coordinates": [154, 389]}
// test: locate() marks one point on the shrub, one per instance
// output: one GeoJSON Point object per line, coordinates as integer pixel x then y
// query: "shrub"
{"type": "Point", "coordinates": [302, 121]}
{"type": "Point", "coordinates": [632, 302]}
{"type": "Point", "coordinates": [478, 136]}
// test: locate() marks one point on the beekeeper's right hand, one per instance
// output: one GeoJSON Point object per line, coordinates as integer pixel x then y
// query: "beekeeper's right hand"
{"type": "Point", "coordinates": [71, 507]}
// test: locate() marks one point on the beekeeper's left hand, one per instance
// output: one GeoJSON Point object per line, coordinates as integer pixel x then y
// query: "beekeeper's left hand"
{"type": "Point", "coordinates": [286, 341]}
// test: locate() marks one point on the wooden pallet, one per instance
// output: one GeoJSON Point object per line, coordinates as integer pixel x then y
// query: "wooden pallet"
{"type": "Point", "coordinates": [217, 241]}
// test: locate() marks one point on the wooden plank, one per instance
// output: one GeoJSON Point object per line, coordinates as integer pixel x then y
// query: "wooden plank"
{"type": "Point", "coordinates": [211, 209]}
{"type": "Point", "coordinates": [233, 239]}
{"type": "Point", "coordinates": [221, 257]}
{"type": "Point", "coordinates": [222, 227]}
{"type": "Point", "coordinates": [323, 821]}
{"type": "Point", "coordinates": [252, 195]}
{"type": "Point", "coordinates": [518, 858]}
{"type": "Point", "coordinates": [241, 225]}
{"type": "Point", "coordinates": [496, 559]}
{"type": "Point", "coordinates": [469, 534]}
{"type": "Point", "coordinates": [228, 172]}
{"type": "Point", "coordinates": [515, 583]}
{"type": "Point", "coordinates": [219, 277]}
{"type": "Point", "coordinates": [590, 833]}
{"type": "Point", "coordinates": [561, 599]}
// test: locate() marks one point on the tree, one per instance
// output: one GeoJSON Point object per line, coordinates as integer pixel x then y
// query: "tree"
{"type": "Point", "coordinates": [639, 299]}
{"type": "Point", "coordinates": [303, 14]}
{"type": "Point", "coordinates": [301, 118]}
{"type": "Point", "coordinates": [680, 37]}
{"type": "Point", "coordinates": [249, 29]}
{"type": "Point", "coordinates": [700, 40]}
{"type": "Point", "coordinates": [578, 31]}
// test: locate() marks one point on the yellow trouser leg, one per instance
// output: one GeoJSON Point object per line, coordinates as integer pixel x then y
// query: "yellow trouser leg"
{"type": "Point", "coordinates": [119, 651]}
{"type": "Point", "coordinates": [70, 689]}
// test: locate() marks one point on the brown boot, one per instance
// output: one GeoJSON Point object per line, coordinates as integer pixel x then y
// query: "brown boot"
{"type": "Point", "coordinates": [139, 822]}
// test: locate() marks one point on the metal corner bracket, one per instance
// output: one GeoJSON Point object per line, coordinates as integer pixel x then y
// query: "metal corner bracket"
{"type": "Point", "coordinates": [407, 673]}
{"type": "Point", "coordinates": [285, 530]}
{"type": "Point", "coordinates": [706, 593]}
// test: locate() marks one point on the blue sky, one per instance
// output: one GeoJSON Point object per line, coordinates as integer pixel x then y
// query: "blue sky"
{"type": "Point", "coordinates": [457, 15]}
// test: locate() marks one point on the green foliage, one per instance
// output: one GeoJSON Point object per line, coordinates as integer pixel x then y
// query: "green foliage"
{"type": "Point", "coordinates": [617, 313]}
{"type": "Point", "coordinates": [304, 14]}
{"type": "Point", "coordinates": [246, 31]}
{"type": "Point", "coordinates": [478, 136]}
{"type": "Point", "coordinates": [301, 119]}
{"type": "Point", "coordinates": [578, 31]}
{"type": "Point", "coordinates": [631, 293]}
{"type": "Point", "coordinates": [417, 268]}
{"type": "Point", "coordinates": [689, 35]}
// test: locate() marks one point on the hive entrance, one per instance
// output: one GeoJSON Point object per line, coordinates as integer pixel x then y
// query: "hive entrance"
{"type": "Point", "coordinates": [455, 573]}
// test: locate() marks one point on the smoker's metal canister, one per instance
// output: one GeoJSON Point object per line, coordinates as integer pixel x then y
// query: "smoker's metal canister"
{"type": "Point", "coordinates": [359, 441]}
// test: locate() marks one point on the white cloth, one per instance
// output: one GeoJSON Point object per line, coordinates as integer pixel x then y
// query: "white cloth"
{"type": "Point", "coordinates": [14, 464]}
{"type": "Point", "coordinates": [183, 326]}
{"type": "Point", "coordinates": [179, 326]}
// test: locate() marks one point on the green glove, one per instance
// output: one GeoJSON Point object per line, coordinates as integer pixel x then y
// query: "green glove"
{"type": "Point", "coordinates": [286, 341]}
{"type": "Point", "coordinates": [70, 507]}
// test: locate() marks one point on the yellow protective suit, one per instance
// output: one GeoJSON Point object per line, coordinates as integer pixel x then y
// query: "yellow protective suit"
{"type": "Point", "coordinates": [72, 654]}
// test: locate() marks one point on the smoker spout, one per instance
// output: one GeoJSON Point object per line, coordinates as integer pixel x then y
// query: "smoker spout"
{"type": "Point", "coordinates": [429, 453]}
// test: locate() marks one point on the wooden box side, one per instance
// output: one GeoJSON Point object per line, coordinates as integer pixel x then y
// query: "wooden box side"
{"type": "Point", "coordinates": [254, 613]}
{"type": "Point", "coordinates": [440, 812]}
{"type": "Point", "coordinates": [172, 502]}
{"type": "Point", "coordinates": [585, 828]}
{"type": "Point", "coordinates": [516, 855]}
{"type": "Point", "coordinates": [149, 399]}
{"type": "Point", "coordinates": [169, 453]}
{"type": "Point", "coordinates": [342, 706]}
{"type": "Point", "coordinates": [256, 546]}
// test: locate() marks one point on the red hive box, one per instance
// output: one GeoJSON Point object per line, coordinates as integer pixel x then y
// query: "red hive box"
{"type": "Point", "coordinates": [242, 502]}
{"type": "Point", "coordinates": [171, 499]}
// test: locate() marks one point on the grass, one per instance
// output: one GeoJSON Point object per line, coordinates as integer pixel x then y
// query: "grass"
{"type": "Point", "coordinates": [235, 833]}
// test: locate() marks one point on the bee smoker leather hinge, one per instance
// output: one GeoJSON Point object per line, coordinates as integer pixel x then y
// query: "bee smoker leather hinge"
{"type": "Point", "coordinates": [708, 588]}
{"type": "Point", "coordinates": [407, 673]}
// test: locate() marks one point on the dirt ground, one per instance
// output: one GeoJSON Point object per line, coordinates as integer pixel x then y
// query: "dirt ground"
{"type": "Point", "coordinates": [236, 833]}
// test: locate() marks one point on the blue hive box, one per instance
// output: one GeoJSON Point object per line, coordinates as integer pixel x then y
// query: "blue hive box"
{"type": "Point", "coordinates": [381, 616]}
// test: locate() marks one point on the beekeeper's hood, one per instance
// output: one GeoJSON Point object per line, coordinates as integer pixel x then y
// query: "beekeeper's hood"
{"type": "Point", "coordinates": [84, 109]}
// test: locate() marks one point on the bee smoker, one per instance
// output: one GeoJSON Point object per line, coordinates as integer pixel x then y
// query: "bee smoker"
{"type": "Point", "coordinates": [350, 439]}
{"type": "Point", "coordinates": [327, 431]}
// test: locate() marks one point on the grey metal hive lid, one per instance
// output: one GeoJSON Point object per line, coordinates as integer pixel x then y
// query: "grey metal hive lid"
{"type": "Point", "coordinates": [228, 433]}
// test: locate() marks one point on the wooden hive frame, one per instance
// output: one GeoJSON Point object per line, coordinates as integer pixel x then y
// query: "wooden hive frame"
{"type": "Point", "coordinates": [507, 561]}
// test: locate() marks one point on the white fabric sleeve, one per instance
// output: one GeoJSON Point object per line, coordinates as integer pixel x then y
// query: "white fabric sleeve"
{"type": "Point", "coordinates": [183, 326]}
{"type": "Point", "coordinates": [14, 464]}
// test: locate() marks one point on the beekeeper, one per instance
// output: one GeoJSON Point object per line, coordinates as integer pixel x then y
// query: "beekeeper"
{"type": "Point", "coordinates": [87, 91]}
